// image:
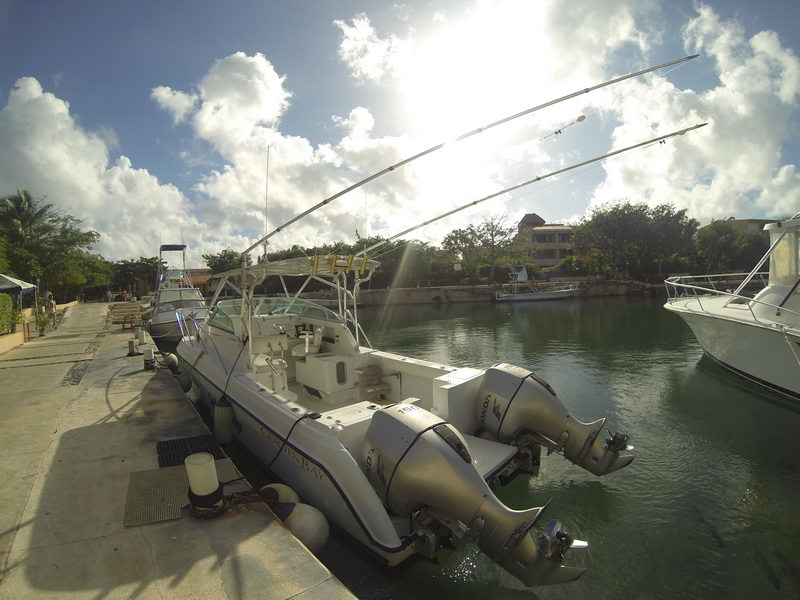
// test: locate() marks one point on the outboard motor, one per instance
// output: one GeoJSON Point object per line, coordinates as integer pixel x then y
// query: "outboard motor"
{"type": "Point", "coordinates": [415, 460]}
{"type": "Point", "coordinates": [518, 404]}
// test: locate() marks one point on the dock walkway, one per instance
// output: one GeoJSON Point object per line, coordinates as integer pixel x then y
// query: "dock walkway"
{"type": "Point", "coordinates": [77, 417]}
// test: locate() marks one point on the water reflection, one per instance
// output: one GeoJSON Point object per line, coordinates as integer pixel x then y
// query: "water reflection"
{"type": "Point", "coordinates": [706, 510]}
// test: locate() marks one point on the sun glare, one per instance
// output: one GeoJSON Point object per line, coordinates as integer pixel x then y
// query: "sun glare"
{"type": "Point", "coordinates": [476, 70]}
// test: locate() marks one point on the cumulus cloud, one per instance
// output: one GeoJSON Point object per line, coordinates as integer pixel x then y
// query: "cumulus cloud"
{"type": "Point", "coordinates": [368, 55]}
{"type": "Point", "coordinates": [43, 149]}
{"type": "Point", "coordinates": [735, 166]}
{"type": "Point", "coordinates": [179, 104]}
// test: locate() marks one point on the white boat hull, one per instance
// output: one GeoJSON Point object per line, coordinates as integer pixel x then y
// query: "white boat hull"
{"type": "Point", "coordinates": [163, 327]}
{"type": "Point", "coordinates": [536, 296]}
{"type": "Point", "coordinates": [763, 353]}
{"type": "Point", "coordinates": [306, 462]}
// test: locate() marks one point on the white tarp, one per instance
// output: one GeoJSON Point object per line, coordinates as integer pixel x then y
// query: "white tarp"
{"type": "Point", "coordinates": [9, 283]}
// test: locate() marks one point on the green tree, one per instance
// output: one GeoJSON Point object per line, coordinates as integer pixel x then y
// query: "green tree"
{"type": "Point", "coordinates": [495, 238]}
{"type": "Point", "coordinates": [671, 234]}
{"type": "Point", "coordinates": [616, 237]}
{"type": "Point", "coordinates": [224, 261]}
{"type": "Point", "coordinates": [5, 265]}
{"type": "Point", "coordinates": [723, 248]}
{"type": "Point", "coordinates": [44, 245]}
{"type": "Point", "coordinates": [628, 239]}
{"type": "Point", "coordinates": [24, 220]}
{"type": "Point", "coordinates": [466, 245]}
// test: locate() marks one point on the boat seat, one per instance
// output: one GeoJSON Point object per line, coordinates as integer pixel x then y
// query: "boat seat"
{"type": "Point", "coordinates": [310, 342]}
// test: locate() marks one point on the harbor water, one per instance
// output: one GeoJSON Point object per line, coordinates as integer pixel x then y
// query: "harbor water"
{"type": "Point", "coordinates": [708, 509]}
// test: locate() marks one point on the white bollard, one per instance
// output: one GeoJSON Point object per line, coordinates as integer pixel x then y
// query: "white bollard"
{"type": "Point", "coordinates": [205, 489]}
{"type": "Point", "coordinates": [149, 359]}
{"type": "Point", "coordinates": [141, 335]}
{"type": "Point", "coordinates": [202, 472]}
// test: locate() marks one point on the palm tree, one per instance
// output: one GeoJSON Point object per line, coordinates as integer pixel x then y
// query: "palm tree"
{"type": "Point", "coordinates": [24, 219]}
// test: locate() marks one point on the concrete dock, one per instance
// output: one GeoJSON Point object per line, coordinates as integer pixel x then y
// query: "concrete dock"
{"type": "Point", "coordinates": [77, 418]}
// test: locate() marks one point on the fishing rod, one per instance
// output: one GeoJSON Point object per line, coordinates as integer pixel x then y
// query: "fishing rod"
{"type": "Point", "coordinates": [463, 137]}
{"type": "Point", "coordinates": [530, 181]}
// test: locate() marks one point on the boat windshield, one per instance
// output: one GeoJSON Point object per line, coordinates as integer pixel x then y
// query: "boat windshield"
{"type": "Point", "coordinates": [784, 264]}
{"type": "Point", "coordinates": [298, 306]}
{"type": "Point", "coordinates": [225, 309]}
{"type": "Point", "coordinates": [176, 304]}
{"type": "Point", "coordinates": [181, 295]}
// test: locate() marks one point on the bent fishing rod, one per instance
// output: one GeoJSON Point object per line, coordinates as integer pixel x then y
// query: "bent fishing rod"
{"type": "Point", "coordinates": [529, 182]}
{"type": "Point", "coordinates": [460, 138]}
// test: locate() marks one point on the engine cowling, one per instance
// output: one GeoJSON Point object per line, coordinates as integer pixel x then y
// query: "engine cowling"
{"type": "Point", "coordinates": [416, 460]}
{"type": "Point", "coordinates": [516, 403]}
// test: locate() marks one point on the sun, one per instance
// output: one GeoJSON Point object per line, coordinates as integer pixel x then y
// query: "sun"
{"type": "Point", "coordinates": [475, 70]}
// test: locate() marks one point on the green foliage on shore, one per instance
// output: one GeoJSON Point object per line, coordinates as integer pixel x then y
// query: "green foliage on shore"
{"type": "Point", "coordinates": [41, 245]}
{"type": "Point", "coordinates": [9, 315]}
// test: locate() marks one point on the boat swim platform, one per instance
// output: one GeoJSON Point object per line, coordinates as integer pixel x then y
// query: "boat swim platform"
{"type": "Point", "coordinates": [80, 421]}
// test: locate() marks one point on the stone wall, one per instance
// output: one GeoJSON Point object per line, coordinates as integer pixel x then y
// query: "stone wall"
{"type": "Point", "coordinates": [486, 293]}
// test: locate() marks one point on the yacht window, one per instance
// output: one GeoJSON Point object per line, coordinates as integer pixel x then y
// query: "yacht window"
{"type": "Point", "coordinates": [785, 259]}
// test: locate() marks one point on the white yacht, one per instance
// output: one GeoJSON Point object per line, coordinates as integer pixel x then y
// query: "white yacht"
{"type": "Point", "coordinates": [756, 336]}
{"type": "Point", "coordinates": [402, 454]}
{"type": "Point", "coordinates": [174, 291]}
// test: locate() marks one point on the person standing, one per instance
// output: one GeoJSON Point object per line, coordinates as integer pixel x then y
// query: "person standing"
{"type": "Point", "coordinates": [51, 310]}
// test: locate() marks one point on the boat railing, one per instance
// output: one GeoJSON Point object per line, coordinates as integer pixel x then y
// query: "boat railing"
{"type": "Point", "coordinates": [700, 287]}
{"type": "Point", "coordinates": [187, 324]}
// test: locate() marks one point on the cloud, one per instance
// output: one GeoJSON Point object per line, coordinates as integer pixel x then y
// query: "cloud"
{"type": "Point", "coordinates": [369, 56]}
{"type": "Point", "coordinates": [43, 149]}
{"type": "Point", "coordinates": [179, 104]}
{"type": "Point", "coordinates": [735, 166]}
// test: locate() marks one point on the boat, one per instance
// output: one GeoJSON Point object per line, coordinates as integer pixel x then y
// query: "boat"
{"type": "Point", "coordinates": [523, 289]}
{"type": "Point", "coordinates": [174, 291]}
{"type": "Point", "coordinates": [400, 453]}
{"type": "Point", "coordinates": [755, 335]}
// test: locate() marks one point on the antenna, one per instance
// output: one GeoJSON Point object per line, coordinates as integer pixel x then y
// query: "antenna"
{"type": "Point", "coordinates": [266, 200]}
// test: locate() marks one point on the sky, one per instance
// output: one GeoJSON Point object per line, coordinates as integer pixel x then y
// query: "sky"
{"type": "Point", "coordinates": [211, 122]}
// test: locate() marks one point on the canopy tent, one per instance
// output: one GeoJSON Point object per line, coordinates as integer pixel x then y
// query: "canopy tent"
{"type": "Point", "coordinates": [10, 285]}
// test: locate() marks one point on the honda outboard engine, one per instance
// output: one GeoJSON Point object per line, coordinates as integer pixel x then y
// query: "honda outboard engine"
{"type": "Point", "coordinates": [517, 405]}
{"type": "Point", "coordinates": [416, 460]}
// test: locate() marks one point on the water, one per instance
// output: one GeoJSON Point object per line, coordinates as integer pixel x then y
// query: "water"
{"type": "Point", "coordinates": [707, 510]}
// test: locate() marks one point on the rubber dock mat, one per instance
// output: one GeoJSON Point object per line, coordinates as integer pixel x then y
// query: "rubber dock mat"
{"type": "Point", "coordinates": [174, 452]}
{"type": "Point", "coordinates": [160, 494]}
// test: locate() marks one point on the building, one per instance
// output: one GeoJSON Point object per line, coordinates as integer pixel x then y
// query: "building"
{"type": "Point", "coordinates": [201, 279]}
{"type": "Point", "coordinates": [552, 242]}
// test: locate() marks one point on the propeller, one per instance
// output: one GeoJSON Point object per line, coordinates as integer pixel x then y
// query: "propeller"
{"type": "Point", "coordinates": [554, 541]}
{"type": "Point", "coordinates": [618, 441]}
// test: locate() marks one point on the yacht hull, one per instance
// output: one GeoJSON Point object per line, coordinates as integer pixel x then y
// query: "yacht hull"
{"type": "Point", "coordinates": [164, 330]}
{"type": "Point", "coordinates": [535, 296]}
{"type": "Point", "coordinates": [767, 355]}
{"type": "Point", "coordinates": [304, 456]}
